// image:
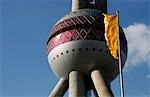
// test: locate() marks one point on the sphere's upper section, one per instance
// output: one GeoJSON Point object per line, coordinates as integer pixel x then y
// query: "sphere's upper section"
{"type": "Point", "coordinates": [84, 24]}
{"type": "Point", "coordinates": [79, 31]}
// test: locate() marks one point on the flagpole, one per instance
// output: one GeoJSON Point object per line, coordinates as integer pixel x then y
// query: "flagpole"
{"type": "Point", "coordinates": [120, 66]}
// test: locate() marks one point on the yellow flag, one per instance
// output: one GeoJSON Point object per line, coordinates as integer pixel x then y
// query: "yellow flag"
{"type": "Point", "coordinates": [111, 33]}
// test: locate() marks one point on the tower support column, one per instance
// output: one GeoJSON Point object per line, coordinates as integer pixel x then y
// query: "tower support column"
{"type": "Point", "coordinates": [60, 88]}
{"type": "Point", "coordinates": [100, 84]}
{"type": "Point", "coordinates": [79, 4]}
{"type": "Point", "coordinates": [76, 85]}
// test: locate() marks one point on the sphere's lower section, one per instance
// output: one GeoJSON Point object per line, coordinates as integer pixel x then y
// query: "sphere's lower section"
{"type": "Point", "coordinates": [83, 56]}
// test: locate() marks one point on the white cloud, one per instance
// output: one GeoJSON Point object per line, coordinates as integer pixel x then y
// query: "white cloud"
{"type": "Point", "coordinates": [138, 37]}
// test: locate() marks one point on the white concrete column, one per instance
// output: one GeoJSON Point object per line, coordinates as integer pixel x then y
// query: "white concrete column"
{"type": "Point", "coordinates": [97, 4]}
{"type": "Point", "coordinates": [60, 88]}
{"type": "Point", "coordinates": [100, 84]}
{"type": "Point", "coordinates": [79, 4]}
{"type": "Point", "coordinates": [76, 85]}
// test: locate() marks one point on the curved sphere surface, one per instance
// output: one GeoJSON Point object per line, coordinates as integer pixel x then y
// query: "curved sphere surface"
{"type": "Point", "coordinates": [77, 43]}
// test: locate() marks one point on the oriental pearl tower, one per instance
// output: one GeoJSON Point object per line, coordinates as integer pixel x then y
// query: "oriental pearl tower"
{"type": "Point", "coordinates": [77, 51]}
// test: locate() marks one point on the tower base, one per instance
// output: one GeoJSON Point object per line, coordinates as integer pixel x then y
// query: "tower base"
{"type": "Point", "coordinates": [77, 86]}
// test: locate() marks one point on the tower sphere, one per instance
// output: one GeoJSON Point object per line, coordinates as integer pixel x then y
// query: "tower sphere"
{"type": "Point", "coordinates": [77, 42]}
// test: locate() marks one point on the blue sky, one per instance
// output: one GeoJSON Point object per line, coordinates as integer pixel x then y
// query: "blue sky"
{"type": "Point", "coordinates": [24, 27]}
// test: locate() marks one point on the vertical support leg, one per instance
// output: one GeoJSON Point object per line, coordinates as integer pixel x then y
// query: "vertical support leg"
{"type": "Point", "coordinates": [76, 85]}
{"type": "Point", "coordinates": [100, 84]}
{"type": "Point", "coordinates": [60, 88]}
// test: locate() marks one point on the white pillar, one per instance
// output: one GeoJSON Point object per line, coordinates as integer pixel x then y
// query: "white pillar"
{"type": "Point", "coordinates": [76, 85]}
{"type": "Point", "coordinates": [60, 88]}
{"type": "Point", "coordinates": [79, 4]}
{"type": "Point", "coordinates": [100, 84]}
